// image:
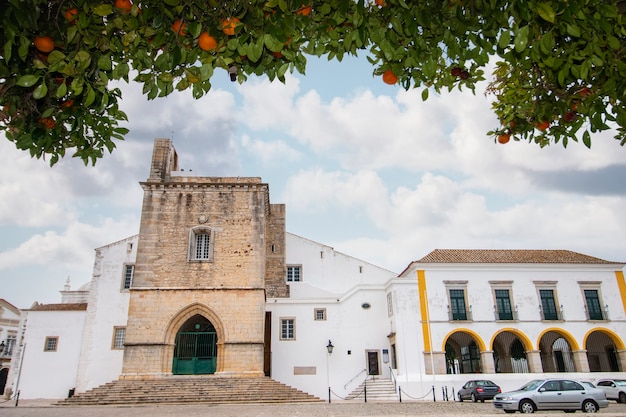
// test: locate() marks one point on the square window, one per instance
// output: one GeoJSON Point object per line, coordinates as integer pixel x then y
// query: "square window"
{"type": "Point", "coordinates": [51, 344]}
{"type": "Point", "coordinates": [129, 271]}
{"type": "Point", "coordinates": [288, 329]}
{"type": "Point", "coordinates": [320, 314]}
{"type": "Point", "coordinates": [119, 337]}
{"type": "Point", "coordinates": [294, 273]}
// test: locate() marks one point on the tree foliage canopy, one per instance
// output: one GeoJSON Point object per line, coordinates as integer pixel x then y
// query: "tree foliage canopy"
{"type": "Point", "coordinates": [560, 70]}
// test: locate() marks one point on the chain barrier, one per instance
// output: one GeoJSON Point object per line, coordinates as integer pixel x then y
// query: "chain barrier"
{"type": "Point", "coordinates": [417, 398]}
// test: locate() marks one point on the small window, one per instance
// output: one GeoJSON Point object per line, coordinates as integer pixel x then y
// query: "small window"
{"type": "Point", "coordinates": [288, 329]}
{"type": "Point", "coordinates": [320, 314]}
{"type": "Point", "coordinates": [389, 304]}
{"type": "Point", "coordinates": [294, 273]}
{"type": "Point", "coordinates": [51, 344]}
{"type": "Point", "coordinates": [129, 271]}
{"type": "Point", "coordinates": [119, 337]}
{"type": "Point", "coordinates": [201, 244]}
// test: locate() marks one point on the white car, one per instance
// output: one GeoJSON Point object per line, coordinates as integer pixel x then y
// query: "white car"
{"type": "Point", "coordinates": [552, 394]}
{"type": "Point", "coordinates": [615, 389]}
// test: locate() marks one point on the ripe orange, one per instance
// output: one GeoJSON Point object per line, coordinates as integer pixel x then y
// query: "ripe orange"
{"type": "Point", "coordinates": [67, 104]}
{"type": "Point", "coordinates": [179, 27]}
{"type": "Point", "coordinates": [229, 25]}
{"type": "Point", "coordinates": [47, 122]}
{"type": "Point", "coordinates": [71, 15]}
{"type": "Point", "coordinates": [124, 5]}
{"type": "Point", "coordinates": [389, 77]}
{"type": "Point", "coordinates": [206, 42]}
{"type": "Point", "coordinates": [304, 10]}
{"type": "Point", "coordinates": [504, 138]}
{"type": "Point", "coordinates": [44, 44]}
{"type": "Point", "coordinates": [380, 3]}
{"type": "Point", "coordinates": [543, 125]}
{"type": "Point", "coordinates": [277, 54]}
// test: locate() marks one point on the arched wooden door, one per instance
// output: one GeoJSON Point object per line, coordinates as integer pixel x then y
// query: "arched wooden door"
{"type": "Point", "coordinates": [195, 352]}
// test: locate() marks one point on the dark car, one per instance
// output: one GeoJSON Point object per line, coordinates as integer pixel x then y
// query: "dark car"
{"type": "Point", "coordinates": [478, 390]}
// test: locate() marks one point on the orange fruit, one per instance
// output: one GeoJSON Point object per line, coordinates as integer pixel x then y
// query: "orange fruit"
{"type": "Point", "coordinates": [504, 138]}
{"type": "Point", "coordinates": [179, 27]}
{"type": "Point", "coordinates": [124, 5]}
{"type": "Point", "coordinates": [389, 77]}
{"type": "Point", "coordinates": [380, 3]}
{"type": "Point", "coordinates": [47, 122]}
{"type": "Point", "coordinates": [543, 125]}
{"type": "Point", "coordinates": [277, 54]}
{"type": "Point", "coordinates": [206, 42]}
{"type": "Point", "coordinates": [229, 25]}
{"type": "Point", "coordinates": [304, 10]}
{"type": "Point", "coordinates": [67, 104]}
{"type": "Point", "coordinates": [71, 15]}
{"type": "Point", "coordinates": [44, 44]}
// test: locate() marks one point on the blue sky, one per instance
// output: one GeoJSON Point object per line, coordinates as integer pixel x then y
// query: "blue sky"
{"type": "Point", "coordinates": [364, 167]}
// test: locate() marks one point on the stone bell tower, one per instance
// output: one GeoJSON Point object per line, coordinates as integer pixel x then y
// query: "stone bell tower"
{"type": "Point", "coordinates": [210, 250]}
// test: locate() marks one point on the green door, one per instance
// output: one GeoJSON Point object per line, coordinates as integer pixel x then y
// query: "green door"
{"type": "Point", "coordinates": [195, 353]}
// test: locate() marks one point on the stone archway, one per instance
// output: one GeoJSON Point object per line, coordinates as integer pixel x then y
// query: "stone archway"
{"type": "Point", "coordinates": [195, 318]}
{"type": "Point", "coordinates": [195, 351]}
{"type": "Point", "coordinates": [603, 348]}
{"type": "Point", "coordinates": [556, 352]}
{"type": "Point", "coordinates": [463, 354]}
{"type": "Point", "coordinates": [509, 354]}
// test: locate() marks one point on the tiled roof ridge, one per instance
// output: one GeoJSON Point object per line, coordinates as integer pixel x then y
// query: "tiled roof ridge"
{"type": "Point", "coordinates": [58, 307]}
{"type": "Point", "coordinates": [556, 256]}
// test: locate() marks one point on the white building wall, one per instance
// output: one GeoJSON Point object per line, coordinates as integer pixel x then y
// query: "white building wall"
{"type": "Point", "coordinates": [49, 374]}
{"type": "Point", "coordinates": [107, 309]}
{"type": "Point", "coordinates": [353, 293]}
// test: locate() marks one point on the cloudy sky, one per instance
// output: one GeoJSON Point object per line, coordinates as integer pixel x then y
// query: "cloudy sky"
{"type": "Point", "coordinates": [364, 167]}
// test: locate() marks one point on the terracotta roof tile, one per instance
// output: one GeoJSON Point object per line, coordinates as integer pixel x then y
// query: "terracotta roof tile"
{"type": "Point", "coordinates": [59, 307]}
{"type": "Point", "coordinates": [489, 256]}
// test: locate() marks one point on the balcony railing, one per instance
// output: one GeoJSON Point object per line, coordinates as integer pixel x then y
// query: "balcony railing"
{"type": "Point", "coordinates": [601, 315]}
{"type": "Point", "coordinates": [505, 315]}
{"type": "Point", "coordinates": [556, 315]}
{"type": "Point", "coordinates": [463, 315]}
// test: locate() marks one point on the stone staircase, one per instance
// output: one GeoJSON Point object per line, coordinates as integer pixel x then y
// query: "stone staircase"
{"type": "Point", "coordinates": [378, 390]}
{"type": "Point", "coordinates": [186, 389]}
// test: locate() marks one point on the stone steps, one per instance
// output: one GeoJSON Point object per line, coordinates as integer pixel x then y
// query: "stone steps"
{"type": "Point", "coordinates": [378, 390]}
{"type": "Point", "coordinates": [196, 389]}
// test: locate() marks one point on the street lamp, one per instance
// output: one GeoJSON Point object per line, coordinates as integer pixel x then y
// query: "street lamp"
{"type": "Point", "coordinates": [329, 348]}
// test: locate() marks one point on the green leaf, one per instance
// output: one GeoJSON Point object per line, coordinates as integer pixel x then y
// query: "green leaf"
{"type": "Point", "coordinates": [521, 39]}
{"type": "Point", "coordinates": [62, 90]}
{"type": "Point", "coordinates": [546, 12]}
{"type": "Point", "coordinates": [40, 91]}
{"type": "Point", "coordinates": [27, 80]}
{"type": "Point", "coordinates": [103, 9]}
{"type": "Point", "coordinates": [587, 139]}
{"type": "Point", "coordinates": [573, 30]}
{"type": "Point", "coordinates": [425, 94]}
{"type": "Point", "coordinates": [505, 39]}
{"type": "Point", "coordinates": [90, 97]}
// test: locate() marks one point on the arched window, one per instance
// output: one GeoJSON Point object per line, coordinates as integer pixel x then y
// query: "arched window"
{"type": "Point", "coordinates": [201, 244]}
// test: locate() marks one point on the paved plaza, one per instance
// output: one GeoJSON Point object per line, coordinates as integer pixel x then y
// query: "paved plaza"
{"type": "Point", "coordinates": [41, 408]}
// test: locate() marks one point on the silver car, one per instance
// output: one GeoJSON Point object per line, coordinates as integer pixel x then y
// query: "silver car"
{"type": "Point", "coordinates": [552, 394]}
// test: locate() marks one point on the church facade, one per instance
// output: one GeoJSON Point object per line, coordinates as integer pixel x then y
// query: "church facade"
{"type": "Point", "coordinates": [213, 284]}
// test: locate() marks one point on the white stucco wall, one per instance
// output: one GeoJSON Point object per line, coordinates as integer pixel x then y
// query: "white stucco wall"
{"type": "Point", "coordinates": [107, 309]}
{"type": "Point", "coordinates": [332, 281]}
{"type": "Point", "coordinates": [50, 374]}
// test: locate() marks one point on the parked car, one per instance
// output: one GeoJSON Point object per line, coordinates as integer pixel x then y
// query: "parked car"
{"type": "Point", "coordinates": [552, 394]}
{"type": "Point", "coordinates": [615, 389]}
{"type": "Point", "coordinates": [478, 390]}
{"type": "Point", "coordinates": [588, 384]}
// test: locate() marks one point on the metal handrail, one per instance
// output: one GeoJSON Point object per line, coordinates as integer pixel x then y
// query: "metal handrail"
{"type": "Point", "coordinates": [355, 377]}
{"type": "Point", "coordinates": [393, 378]}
